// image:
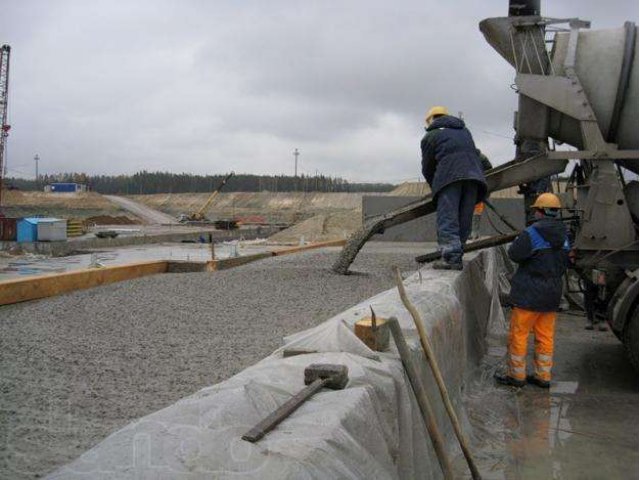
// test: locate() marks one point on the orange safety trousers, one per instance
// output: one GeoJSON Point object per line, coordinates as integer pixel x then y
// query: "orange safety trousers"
{"type": "Point", "coordinates": [543, 326]}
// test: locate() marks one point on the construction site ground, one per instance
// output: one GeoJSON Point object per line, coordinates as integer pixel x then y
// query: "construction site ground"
{"type": "Point", "coordinates": [314, 216]}
{"type": "Point", "coordinates": [584, 427]}
{"type": "Point", "coordinates": [16, 203]}
{"type": "Point", "coordinates": [79, 366]}
{"type": "Point", "coordinates": [14, 267]}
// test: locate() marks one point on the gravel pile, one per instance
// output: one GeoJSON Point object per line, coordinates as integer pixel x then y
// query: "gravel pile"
{"type": "Point", "coordinates": [322, 228]}
{"type": "Point", "coordinates": [76, 367]}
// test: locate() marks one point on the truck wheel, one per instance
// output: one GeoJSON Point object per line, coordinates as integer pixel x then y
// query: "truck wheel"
{"type": "Point", "coordinates": [630, 337]}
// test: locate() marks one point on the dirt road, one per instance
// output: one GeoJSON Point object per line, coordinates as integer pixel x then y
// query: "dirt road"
{"type": "Point", "coordinates": [149, 214]}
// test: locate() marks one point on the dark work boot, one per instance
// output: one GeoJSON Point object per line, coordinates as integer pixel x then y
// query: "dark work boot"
{"type": "Point", "coordinates": [444, 265]}
{"type": "Point", "coordinates": [504, 379]}
{"type": "Point", "coordinates": [533, 380]}
{"type": "Point", "coordinates": [602, 326]}
{"type": "Point", "coordinates": [588, 325]}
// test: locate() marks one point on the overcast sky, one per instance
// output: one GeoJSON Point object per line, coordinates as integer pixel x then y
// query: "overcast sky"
{"type": "Point", "coordinates": [209, 86]}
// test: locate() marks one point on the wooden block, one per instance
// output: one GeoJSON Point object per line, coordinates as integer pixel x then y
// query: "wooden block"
{"type": "Point", "coordinates": [375, 338]}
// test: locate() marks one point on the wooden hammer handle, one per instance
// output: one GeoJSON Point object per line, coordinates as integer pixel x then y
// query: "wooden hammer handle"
{"type": "Point", "coordinates": [286, 409]}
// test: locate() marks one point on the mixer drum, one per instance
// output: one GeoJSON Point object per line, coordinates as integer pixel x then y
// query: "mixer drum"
{"type": "Point", "coordinates": [607, 66]}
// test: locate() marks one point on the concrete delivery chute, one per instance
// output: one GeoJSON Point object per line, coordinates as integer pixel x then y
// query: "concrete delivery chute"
{"type": "Point", "coordinates": [582, 92]}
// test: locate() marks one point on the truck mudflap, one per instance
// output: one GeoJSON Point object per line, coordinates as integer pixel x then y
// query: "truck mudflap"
{"type": "Point", "coordinates": [622, 315]}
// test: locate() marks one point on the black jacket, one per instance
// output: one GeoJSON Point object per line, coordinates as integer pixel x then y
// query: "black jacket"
{"type": "Point", "coordinates": [450, 155]}
{"type": "Point", "coordinates": [542, 255]}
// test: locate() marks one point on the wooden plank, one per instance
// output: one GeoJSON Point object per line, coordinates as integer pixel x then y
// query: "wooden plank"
{"type": "Point", "coordinates": [311, 246]}
{"type": "Point", "coordinates": [472, 246]}
{"type": "Point", "coordinates": [31, 288]}
{"type": "Point", "coordinates": [225, 263]}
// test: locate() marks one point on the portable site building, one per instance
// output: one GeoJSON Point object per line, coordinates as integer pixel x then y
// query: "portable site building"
{"type": "Point", "coordinates": [35, 229]}
{"type": "Point", "coordinates": [65, 187]}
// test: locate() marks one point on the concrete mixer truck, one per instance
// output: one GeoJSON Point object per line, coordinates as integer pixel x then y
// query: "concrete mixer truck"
{"type": "Point", "coordinates": [576, 87]}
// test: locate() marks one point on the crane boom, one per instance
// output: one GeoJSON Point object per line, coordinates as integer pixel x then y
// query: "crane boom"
{"type": "Point", "coordinates": [198, 216]}
{"type": "Point", "coordinates": [5, 51]}
{"type": "Point", "coordinates": [212, 197]}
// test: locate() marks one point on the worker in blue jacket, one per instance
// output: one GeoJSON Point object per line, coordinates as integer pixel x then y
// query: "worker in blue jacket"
{"type": "Point", "coordinates": [452, 167]}
{"type": "Point", "coordinates": [542, 255]}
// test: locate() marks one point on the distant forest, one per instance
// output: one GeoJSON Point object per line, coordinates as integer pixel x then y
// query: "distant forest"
{"type": "Point", "coordinates": [162, 182]}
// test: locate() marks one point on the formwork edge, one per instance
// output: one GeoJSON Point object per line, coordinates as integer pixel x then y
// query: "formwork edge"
{"type": "Point", "coordinates": [35, 287]}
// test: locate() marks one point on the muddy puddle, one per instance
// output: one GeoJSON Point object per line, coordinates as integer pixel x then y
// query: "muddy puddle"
{"type": "Point", "coordinates": [584, 427]}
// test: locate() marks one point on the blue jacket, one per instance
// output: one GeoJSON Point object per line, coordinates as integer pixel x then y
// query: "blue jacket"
{"type": "Point", "coordinates": [450, 155]}
{"type": "Point", "coordinates": [542, 255]}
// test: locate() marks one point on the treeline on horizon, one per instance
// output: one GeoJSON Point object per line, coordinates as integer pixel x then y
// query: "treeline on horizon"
{"type": "Point", "coordinates": [144, 182]}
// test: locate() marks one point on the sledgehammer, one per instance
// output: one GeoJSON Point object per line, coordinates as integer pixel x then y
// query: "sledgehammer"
{"type": "Point", "coordinates": [316, 376]}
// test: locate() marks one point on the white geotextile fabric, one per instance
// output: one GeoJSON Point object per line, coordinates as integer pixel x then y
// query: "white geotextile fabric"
{"type": "Point", "coordinates": [371, 429]}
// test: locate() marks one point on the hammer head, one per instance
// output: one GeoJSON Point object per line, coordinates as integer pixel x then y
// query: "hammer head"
{"type": "Point", "coordinates": [337, 376]}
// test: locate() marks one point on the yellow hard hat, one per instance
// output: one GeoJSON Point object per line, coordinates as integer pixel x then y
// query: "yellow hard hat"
{"type": "Point", "coordinates": [547, 200]}
{"type": "Point", "coordinates": [433, 111]}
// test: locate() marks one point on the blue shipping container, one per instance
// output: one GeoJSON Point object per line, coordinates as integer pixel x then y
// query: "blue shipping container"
{"type": "Point", "coordinates": [28, 228]}
{"type": "Point", "coordinates": [64, 187]}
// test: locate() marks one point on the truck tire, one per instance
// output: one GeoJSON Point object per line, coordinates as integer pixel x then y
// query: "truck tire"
{"type": "Point", "coordinates": [630, 337]}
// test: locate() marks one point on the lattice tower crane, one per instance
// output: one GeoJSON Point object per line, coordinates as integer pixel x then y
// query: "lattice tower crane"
{"type": "Point", "coordinates": [5, 51]}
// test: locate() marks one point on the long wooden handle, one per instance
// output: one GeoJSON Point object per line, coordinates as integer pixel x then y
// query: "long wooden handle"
{"type": "Point", "coordinates": [471, 246]}
{"type": "Point", "coordinates": [422, 398]}
{"type": "Point", "coordinates": [283, 411]}
{"type": "Point", "coordinates": [433, 363]}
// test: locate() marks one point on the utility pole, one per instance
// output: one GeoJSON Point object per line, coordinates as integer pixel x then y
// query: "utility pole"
{"type": "Point", "coordinates": [37, 159]}
{"type": "Point", "coordinates": [295, 154]}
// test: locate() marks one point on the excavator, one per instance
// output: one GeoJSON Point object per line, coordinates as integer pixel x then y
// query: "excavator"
{"type": "Point", "coordinates": [576, 87]}
{"type": "Point", "coordinates": [198, 215]}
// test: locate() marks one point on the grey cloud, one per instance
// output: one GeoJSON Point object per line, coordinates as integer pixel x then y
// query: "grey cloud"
{"type": "Point", "coordinates": [110, 87]}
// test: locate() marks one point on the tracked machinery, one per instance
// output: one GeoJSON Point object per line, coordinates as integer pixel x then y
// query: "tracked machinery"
{"type": "Point", "coordinates": [199, 216]}
{"type": "Point", "coordinates": [576, 87]}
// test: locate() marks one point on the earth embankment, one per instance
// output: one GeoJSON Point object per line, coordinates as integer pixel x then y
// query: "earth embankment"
{"type": "Point", "coordinates": [275, 207]}
{"type": "Point", "coordinates": [17, 203]}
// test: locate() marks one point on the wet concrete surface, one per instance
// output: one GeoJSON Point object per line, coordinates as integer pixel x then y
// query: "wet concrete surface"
{"type": "Point", "coordinates": [584, 427]}
{"type": "Point", "coordinates": [76, 367]}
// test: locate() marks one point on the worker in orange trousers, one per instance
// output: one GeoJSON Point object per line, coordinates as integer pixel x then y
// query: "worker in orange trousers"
{"type": "Point", "coordinates": [478, 210]}
{"type": "Point", "coordinates": [542, 254]}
